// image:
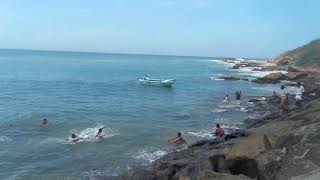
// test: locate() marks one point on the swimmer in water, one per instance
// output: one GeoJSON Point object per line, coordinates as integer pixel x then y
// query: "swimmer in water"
{"type": "Point", "coordinates": [179, 139]}
{"type": "Point", "coordinates": [75, 138]}
{"type": "Point", "coordinates": [44, 123]}
{"type": "Point", "coordinates": [99, 133]}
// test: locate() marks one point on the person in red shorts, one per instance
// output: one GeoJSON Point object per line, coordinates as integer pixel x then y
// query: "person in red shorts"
{"type": "Point", "coordinates": [219, 133]}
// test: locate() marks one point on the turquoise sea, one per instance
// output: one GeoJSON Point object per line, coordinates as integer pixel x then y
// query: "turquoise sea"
{"type": "Point", "coordinates": [81, 92]}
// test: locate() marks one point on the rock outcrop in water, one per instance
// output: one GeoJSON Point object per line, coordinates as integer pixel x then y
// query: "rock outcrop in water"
{"type": "Point", "coordinates": [271, 78]}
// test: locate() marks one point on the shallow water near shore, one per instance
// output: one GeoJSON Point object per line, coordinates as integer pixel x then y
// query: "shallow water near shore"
{"type": "Point", "coordinates": [81, 92]}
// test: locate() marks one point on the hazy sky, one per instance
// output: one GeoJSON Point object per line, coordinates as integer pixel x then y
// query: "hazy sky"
{"type": "Point", "coordinates": [242, 28]}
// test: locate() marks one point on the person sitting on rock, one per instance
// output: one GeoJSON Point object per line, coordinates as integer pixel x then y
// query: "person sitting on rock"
{"type": "Point", "coordinates": [179, 139]}
{"type": "Point", "coordinates": [219, 133]}
{"type": "Point", "coordinates": [299, 94]}
{"type": "Point", "coordinates": [275, 95]}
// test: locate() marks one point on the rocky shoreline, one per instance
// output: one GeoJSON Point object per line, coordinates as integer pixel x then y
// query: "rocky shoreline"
{"type": "Point", "coordinates": [275, 145]}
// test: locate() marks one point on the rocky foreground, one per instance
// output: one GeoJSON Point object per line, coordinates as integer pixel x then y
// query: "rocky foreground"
{"type": "Point", "coordinates": [276, 145]}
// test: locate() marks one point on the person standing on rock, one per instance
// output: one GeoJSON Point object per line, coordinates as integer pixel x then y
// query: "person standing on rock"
{"type": "Point", "coordinates": [299, 94]}
{"type": "Point", "coordinates": [219, 133]}
{"type": "Point", "coordinates": [284, 99]}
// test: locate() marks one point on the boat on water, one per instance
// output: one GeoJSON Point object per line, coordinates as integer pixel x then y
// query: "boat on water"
{"type": "Point", "coordinates": [158, 82]}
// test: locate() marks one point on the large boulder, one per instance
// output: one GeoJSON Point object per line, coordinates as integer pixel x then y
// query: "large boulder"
{"type": "Point", "coordinates": [271, 78]}
{"type": "Point", "coordinates": [211, 175]}
{"type": "Point", "coordinates": [236, 66]}
{"type": "Point", "coordinates": [138, 174]}
{"type": "Point", "coordinates": [295, 69]}
{"type": "Point", "coordinates": [296, 75]}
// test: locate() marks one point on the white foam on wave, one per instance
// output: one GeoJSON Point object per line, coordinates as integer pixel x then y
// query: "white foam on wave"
{"type": "Point", "coordinates": [150, 155]}
{"type": "Point", "coordinates": [5, 139]}
{"type": "Point", "coordinates": [218, 110]}
{"type": "Point", "coordinates": [201, 133]}
{"type": "Point", "coordinates": [207, 133]}
{"type": "Point", "coordinates": [249, 72]}
{"type": "Point", "coordinates": [89, 134]}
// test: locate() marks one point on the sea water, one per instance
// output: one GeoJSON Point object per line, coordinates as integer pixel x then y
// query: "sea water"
{"type": "Point", "coordinates": [82, 92]}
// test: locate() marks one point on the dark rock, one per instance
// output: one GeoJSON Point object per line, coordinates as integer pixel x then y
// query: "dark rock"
{"type": "Point", "coordinates": [236, 66]}
{"type": "Point", "coordinates": [295, 69]}
{"type": "Point", "coordinates": [211, 175]}
{"type": "Point", "coordinates": [230, 78]}
{"type": "Point", "coordinates": [271, 78]}
{"type": "Point", "coordinates": [138, 174]}
{"type": "Point", "coordinates": [296, 75]}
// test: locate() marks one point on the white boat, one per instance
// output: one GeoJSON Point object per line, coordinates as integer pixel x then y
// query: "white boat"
{"type": "Point", "coordinates": [164, 82]}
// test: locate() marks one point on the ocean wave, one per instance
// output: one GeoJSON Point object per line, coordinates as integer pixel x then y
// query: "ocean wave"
{"type": "Point", "coordinates": [206, 133]}
{"type": "Point", "coordinates": [5, 139]}
{"type": "Point", "coordinates": [96, 173]}
{"type": "Point", "coordinates": [201, 134]}
{"type": "Point", "coordinates": [249, 72]}
{"type": "Point", "coordinates": [218, 110]}
{"type": "Point", "coordinates": [216, 78]}
{"type": "Point", "coordinates": [89, 134]}
{"type": "Point", "coordinates": [150, 155]}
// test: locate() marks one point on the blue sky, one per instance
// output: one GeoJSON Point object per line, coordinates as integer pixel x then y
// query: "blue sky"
{"type": "Point", "coordinates": [241, 28]}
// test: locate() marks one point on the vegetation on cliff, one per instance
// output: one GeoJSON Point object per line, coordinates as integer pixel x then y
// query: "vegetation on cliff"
{"type": "Point", "coordinates": [304, 56]}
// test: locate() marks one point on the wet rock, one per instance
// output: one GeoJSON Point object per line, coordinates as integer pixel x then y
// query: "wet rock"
{"type": "Point", "coordinates": [271, 78]}
{"type": "Point", "coordinates": [296, 75]}
{"type": "Point", "coordinates": [138, 174]}
{"type": "Point", "coordinates": [236, 66]}
{"type": "Point", "coordinates": [230, 78]}
{"type": "Point", "coordinates": [295, 69]}
{"type": "Point", "coordinates": [211, 175]}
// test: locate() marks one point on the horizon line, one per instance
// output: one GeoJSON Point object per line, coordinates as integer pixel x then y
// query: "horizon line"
{"type": "Point", "coordinates": [122, 53]}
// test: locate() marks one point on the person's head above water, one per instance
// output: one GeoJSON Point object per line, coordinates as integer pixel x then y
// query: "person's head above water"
{"type": "Point", "coordinates": [100, 130]}
{"type": "Point", "coordinates": [179, 134]}
{"type": "Point", "coordinates": [282, 86]}
{"type": "Point", "coordinates": [218, 125]}
{"type": "Point", "coordinates": [73, 135]}
{"type": "Point", "coordinates": [44, 121]}
{"type": "Point", "coordinates": [298, 84]}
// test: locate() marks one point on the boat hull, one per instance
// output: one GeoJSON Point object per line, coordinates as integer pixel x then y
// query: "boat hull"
{"type": "Point", "coordinates": [157, 82]}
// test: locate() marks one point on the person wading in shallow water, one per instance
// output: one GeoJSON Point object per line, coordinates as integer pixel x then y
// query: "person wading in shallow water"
{"type": "Point", "coordinates": [179, 139]}
{"type": "Point", "coordinates": [226, 99]}
{"type": "Point", "coordinates": [219, 133]}
{"type": "Point", "coordinates": [299, 94]}
{"type": "Point", "coordinates": [75, 138]}
{"type": "Point", "coordinates": [238, 95]}
{"type": "Point", "coordinates": [44, 123]}
{"type": "Point", "coordinates": [99, 133]}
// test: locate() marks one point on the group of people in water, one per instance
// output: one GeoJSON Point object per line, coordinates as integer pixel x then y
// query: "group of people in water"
{"type": "Point", "coordinates": [74, 137]}
{"type": "Point", "coordinates": [284, 96]}
{"type": "Point", "coordinates": [219, 132]}
{"type": "Point", "coordinates": [237, 96]}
